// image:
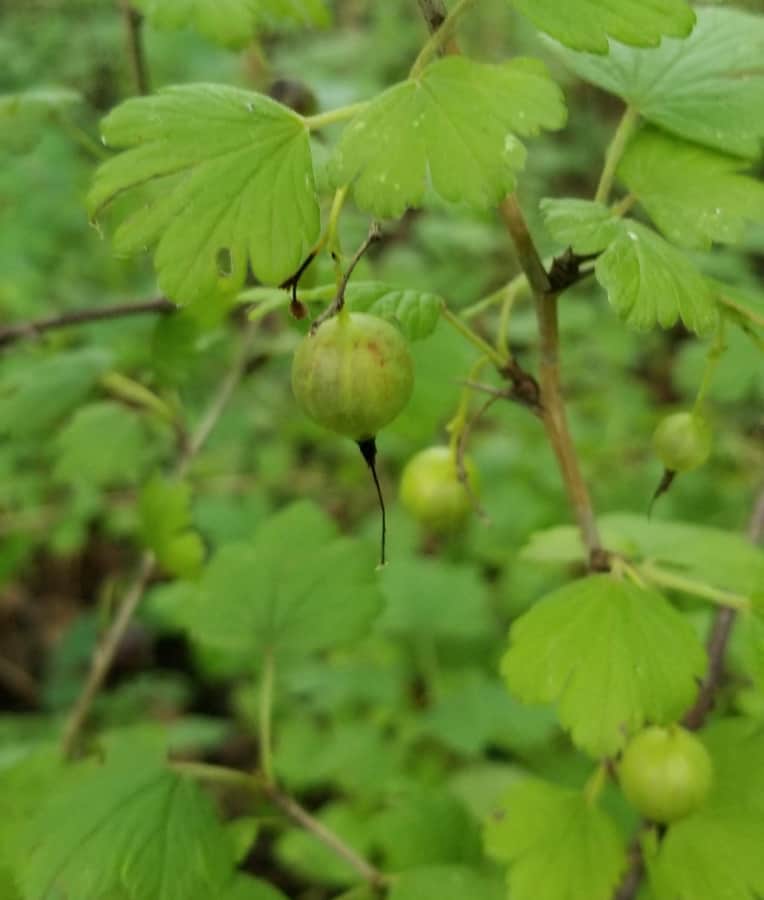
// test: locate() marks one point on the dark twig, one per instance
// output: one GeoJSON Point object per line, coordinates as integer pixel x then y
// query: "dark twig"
{"type": "Point", "coordinates": [632, 879]}
{"type": "Point", "coordinates": [24, 330]}
{"type": "Point", "coordinates": [434, 13]}
{"type": "Point", "coordinates": [565, 270]}
{"type": "Point", "coordinates": [134, 34]}
{"type": "Point", "coordinates": [375, 234]}
{"type": "Point", "coordinates": [719, 638]}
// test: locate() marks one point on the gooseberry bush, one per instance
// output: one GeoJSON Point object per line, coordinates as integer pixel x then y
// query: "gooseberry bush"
{"type": "Point", "coordinates": [511, 250]}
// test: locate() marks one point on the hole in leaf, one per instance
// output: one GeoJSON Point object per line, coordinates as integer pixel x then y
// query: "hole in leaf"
{"type": "Point", "coordinates": [224, 262]}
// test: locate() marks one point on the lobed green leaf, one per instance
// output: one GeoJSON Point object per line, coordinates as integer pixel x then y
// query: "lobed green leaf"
{"type": "Point", "coordinates": [641, 665]}
{"type": "Point", "coordinates": [708, 88]}
{"type": "Point", "coordinates": [232, 181]}
{"type": "Point", "coordinates": [649, 282]}
{"type": "Point", "coordinates": [587, 24]}
{"type": "Point", "coordinates": [455, 125]}
{"type": "Point", "coordinates": [584, 226]}
{"type": "Point", "coordinates": [694, 195]}
{"type": "Point", "coordinates": [539, 822]}
{"type": "Point", "coordinates": [294, 588]}
{"type": "Point", "coordinates": [128, 828]}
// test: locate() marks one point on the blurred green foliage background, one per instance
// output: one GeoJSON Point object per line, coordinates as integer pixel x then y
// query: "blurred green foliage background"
{"type": "Point", "coordinates": [419, 705]}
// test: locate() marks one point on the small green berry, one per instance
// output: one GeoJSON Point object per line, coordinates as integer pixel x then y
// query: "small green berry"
{"type": "Point", "coordinates": [354, 375]}
{"type": "Point", "coordinates": [665, 773]}
{"type": "Point", "coordinates": [683, 441]}
{"type": "Point", "coordinates": [433, 493]}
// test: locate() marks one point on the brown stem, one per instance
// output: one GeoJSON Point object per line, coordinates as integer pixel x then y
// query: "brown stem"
{"type": "Point", "coordinates": [718, 638]}
{"type": "Point", "coordinates": [630, 883]}
{"type": "Point", "coordinates": [24, 330]}
{"type": "Point", "coordinates": [552, 401]}
{"type": "Point", "coordinates": [302, 817]}
{"type": "Point", "coordinates": [134, 35]}
{"type": "Point", "coordinates": [435, 14]}
{"type": "Point", "coordinates": [375, 234]}
{"type": "Point", "coordinates": [104, 654]}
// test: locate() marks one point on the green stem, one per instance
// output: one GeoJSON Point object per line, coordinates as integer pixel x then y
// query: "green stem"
{"type": "Point", "coordinates": [332, 238]}
{"type": "Point", "coordinates": [715, 353]}
{"type": "Point", "coordinates": [671, 580]}
{"type": "Point", "coordinates": [595, 784]}
{"type": "Point", "coordinates": [742, 310]}
{"type": "Point", "coordinates": [266, 716]}
{"type": "Point", "coordinates": [510, 296]}
{"type": "Point", "coordinates": [82, 138]}
{"type": "Point", "coordinates": [466, 332]}
{"type": "Point", "coordinates": [341, 114]}
{"type": "Point", "coordinates": [459, 422]}
{"type": "Point", "coordinates": [440, 37]}
{"type": "Point", "coordinates": [615, 151]}
{"type": "Point", "coordinates": [124, 388]}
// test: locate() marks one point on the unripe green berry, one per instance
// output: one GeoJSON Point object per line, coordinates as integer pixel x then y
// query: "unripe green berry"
{"type": "Point", "coordinates": [683, 441]}
{"type": "Point", "coordinates": [433, 493]}
{"type": "Point", "coordinates": [354, 375]}
{"type": "Point", "coordinates": [665, 773]}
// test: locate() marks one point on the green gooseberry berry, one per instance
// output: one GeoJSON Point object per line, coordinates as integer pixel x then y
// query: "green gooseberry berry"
{"type": "Point", "coordinates": [353, 375]}
{"type": "Point", "coordinates": [665, 773]}
{"type": "Point", "coordinates": [433, 493]}
{"type": "Point", "coordinates": [683, 441]}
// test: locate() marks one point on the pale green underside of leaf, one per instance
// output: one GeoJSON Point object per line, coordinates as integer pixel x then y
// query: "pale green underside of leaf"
{"type": "Point", "coordinates": [649, 282]}
{"type": "Point", "coordinates": [584, 226]}
{"type": "Point", "coordinates": [558, 845]}
{"type": "Point", "coordinates": [641, 663]}
{"type": "Point", "coordinates": [708, 88]}
{"type": "Point", "coordinates": [295, 588]}
{"type": "Point", "coordinates": [232, 23]}
{"type": "Point", "coordinates": [454, 126]}
{"type": "Point", "coordinates": [719, 558]}
{"type": "Point", "coordinates": [232, 181]}
{"type": "Point", "coordinates": [694, 195]}
{"type": "Point", "coordinates": [129, 830]}
{"type": "Point", "coordinates": [415, 312]}
{"type": "Point", "coordinates": [587, 24]}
